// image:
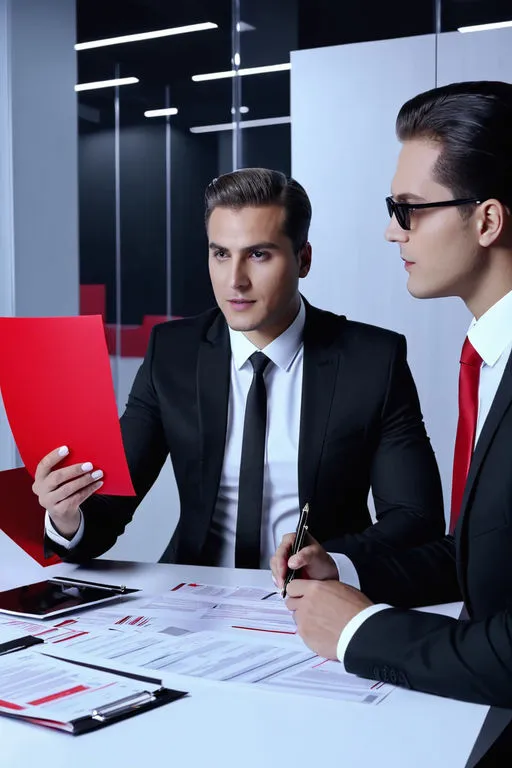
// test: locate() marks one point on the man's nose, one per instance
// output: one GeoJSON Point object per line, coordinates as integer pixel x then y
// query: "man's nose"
{"type": "Point", "coordinates": [394, 232]}
{"type": "Point", "coordinates": [239, 274]}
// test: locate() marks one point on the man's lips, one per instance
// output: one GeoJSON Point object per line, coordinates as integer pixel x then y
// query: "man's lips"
{"type": "Point", "coordinates": [241, 301]}
{"type": "Point", "coordinates": [241, 304]}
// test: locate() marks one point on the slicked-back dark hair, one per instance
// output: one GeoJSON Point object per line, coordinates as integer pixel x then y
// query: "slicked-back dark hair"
{"type": "Point", "coordinates": [472, 122]}
{"type": "Point", "coordinates": [259, 187]}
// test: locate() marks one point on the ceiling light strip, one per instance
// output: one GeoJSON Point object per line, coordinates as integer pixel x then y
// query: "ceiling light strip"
{"type": "Point", "coordinates": [243, 124]}
{"type": "Point", "coordinates": [106, 83]}
{"type": "Point", "coordinates": [486, 27]}
{"type": "Point", "coordinates": [145, 36]}
{"type": "Point", "coordinates": [242, 72]}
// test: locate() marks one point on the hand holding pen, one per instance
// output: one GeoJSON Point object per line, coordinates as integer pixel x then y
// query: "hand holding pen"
{"type": "Point", "coordinates": [308, 556]}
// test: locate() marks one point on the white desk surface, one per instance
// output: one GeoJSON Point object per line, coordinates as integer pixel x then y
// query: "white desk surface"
{"type": "Point", "coordinates": [221, 724]}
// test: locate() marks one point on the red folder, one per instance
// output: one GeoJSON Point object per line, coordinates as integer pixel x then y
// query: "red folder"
{"type": "Point", "coordinates": [21, 516]}
{"type": "Point", "coordinates": [57, 390]}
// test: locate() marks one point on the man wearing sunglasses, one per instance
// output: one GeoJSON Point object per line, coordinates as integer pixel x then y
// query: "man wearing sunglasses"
{"type": "Point", "coordinates": [451, 216]}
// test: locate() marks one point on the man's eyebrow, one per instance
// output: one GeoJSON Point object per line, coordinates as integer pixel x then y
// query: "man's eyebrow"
{"type": "Point", "coordinates": [408, 197]}
{"type": "Point", "coordinates": [254, 247]}
{"type": "Point", "coordinates": [266, 245]}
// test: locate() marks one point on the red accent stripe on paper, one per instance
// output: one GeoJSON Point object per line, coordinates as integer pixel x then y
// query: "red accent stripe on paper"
{"type": "Point", "coordinates": [71, 637]}
{"type": "Point", "coordinates": [10, 705]}
{"type": "Point", "coordinates": [272, 631]}
{"type": "Point", "coordinates": [59, 695]}
{"type": "Point", "coordinates": [178, 586]}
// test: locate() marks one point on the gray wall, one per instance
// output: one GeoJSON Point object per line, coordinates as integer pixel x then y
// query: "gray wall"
{"type": "Point", "coordinates": [38, 165]}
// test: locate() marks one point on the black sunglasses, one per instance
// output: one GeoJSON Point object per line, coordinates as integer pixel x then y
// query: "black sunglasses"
{"type": "Point", "coordinates": [402, 211]}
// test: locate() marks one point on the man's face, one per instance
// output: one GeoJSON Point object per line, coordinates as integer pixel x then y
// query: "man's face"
{"type": "Point", "coordinates": [254, 271]}
{"type": "Point", "coordinates": [441, 251]}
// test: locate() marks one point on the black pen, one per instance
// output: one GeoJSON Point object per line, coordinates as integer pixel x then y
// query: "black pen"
{"type": "Point", "coordinates": [19, 644]}
{"type": "Point", "coordinates": [300, 534]}
{"type": "Point", "coordinates": [81, 583]}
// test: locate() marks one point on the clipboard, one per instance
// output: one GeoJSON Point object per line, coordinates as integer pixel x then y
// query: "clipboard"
{"type": "Point", "coordinates": [151, 694]}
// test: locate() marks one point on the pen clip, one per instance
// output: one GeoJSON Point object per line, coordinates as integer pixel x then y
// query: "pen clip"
{"type": "Point", "coordinates": [121, 706]}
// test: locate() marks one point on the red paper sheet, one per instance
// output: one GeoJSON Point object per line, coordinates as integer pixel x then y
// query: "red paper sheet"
{"type": "Point", "coordinates": [57, 389]}
{"type": "Point", "coordinates": [21, 516]}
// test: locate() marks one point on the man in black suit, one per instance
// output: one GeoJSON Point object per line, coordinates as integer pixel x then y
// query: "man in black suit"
{"type": "Point", "coordinates": [451, 216]}
{"type": "Point", "coordinates": [342, 412]}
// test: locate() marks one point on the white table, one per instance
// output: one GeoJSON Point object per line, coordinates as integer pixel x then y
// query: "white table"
{"type": "Point", "coordinates": [222, 724]}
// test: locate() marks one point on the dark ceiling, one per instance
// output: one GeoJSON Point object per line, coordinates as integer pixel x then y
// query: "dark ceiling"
{"type": "Point", "coordinates": [279, 27]}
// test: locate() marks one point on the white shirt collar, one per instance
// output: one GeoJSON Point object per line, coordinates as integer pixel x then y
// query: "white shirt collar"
{"type": "Point", "coordinates": [281, 351]}
{"type": "Point", "coordinates": [491, 334]}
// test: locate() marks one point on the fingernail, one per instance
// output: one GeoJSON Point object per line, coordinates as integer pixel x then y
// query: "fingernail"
{"type": "Point", "coordinates": [87, 466]}
{"type": "Point", "coordinates": [274, 580]}
{"type": "Point", "coordinates": [63, 450]}
{"type": "Point", "coordinates": [292, 562]}
{"type": "Point", "coordinates": [97, 474]}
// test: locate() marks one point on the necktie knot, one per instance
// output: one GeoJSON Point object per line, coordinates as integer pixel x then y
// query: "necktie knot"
{"type": "Point", "coordinates": [469, 355]}
{"type": "Point", "coordinates": [259, 362]}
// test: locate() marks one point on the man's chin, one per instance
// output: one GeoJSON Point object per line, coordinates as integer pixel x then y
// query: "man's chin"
{"type": "Point", "coordinates": [241, 325]}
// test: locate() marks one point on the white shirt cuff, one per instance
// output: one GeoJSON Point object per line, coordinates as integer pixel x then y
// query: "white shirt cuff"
{"type": "Point", "coordinates": [346, 569]}
{"type": "Point", "coordinates": [353, 625]}
{"type": "Point", "coordinates": [57, 538]}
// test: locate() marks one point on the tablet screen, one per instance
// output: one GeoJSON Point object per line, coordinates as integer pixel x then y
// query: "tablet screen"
{"type": "Point", "coordinates": [51, 598]}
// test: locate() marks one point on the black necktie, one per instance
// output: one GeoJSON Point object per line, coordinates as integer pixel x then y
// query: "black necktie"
{"type": "Point", "coordinates": [250, 487]}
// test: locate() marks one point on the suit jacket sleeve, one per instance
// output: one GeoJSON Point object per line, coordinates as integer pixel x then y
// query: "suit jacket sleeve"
{"type": "Point", "coordinates": [405, 480]}
{"type": "Point", "coordinates": [467, 660]}
{"type": "Point", "coordinates": [105, 517]}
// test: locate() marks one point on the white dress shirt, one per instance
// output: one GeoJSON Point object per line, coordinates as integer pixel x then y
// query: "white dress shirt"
{"type": "Point", "coordinates": [491, 336]}
{"type": "Point", "coordinates": [283, 379]}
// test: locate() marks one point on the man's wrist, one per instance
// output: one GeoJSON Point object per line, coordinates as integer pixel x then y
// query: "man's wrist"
{"type": "Point", "coordinates": [65, 531]}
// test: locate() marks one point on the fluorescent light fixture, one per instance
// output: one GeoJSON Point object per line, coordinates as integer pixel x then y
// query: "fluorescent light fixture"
{"type": "Point", "coordinates": [242, 72]}
{"type": "Point", "coordinates": [243, 124]}
{"type": "Point", "coordinates": [485, 27]}
{"type": "Point", "coordinates": [106, 83]}
{"type": "Point", "coordinates": [161, 112]}
{"type": "Point", "coordinates": [145, 36]}
{"type": "Point", "coordinates": [243, 110]}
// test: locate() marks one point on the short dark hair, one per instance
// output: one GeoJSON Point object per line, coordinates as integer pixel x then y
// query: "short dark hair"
{"type": "Point", "coordinates": [261, 186]}
{"type": "Point", "coordinates": [472, 122]}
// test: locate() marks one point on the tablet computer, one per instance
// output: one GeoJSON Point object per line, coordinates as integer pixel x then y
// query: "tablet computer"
{"type": "Point", "coordinates": [53, 597]}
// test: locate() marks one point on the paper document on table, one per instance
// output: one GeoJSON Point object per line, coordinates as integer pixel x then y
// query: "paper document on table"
{"type": "Point", "coordinates": [213, 655]}
{"type": "Point", "coordinates": [199, 607]}
{"type": "Point", "coordinates": [328, 679]}
{"type": "Point", "coordinates": [66, 696]}
{"type": "Point", "coordinates": [283, 664]}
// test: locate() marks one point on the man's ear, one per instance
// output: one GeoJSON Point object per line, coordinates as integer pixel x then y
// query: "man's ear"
{"type": "Point", "coordinates": [491, 221]}
{"type": "Point", "coordinates": [305, 255]}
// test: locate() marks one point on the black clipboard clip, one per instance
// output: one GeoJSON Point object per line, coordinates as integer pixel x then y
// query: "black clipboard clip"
{"type": "Point", "coordinates": [300, 535]}
{"type": "Point", "coordinates": [123, 706]}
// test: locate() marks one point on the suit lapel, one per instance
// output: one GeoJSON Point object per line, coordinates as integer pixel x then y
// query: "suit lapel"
{"type": "Point", "coordinates": [213, 376]}
{"type": "Point", "coordinates": [320, 370]}
{"type": "Point", "coordinates": [500, 404]}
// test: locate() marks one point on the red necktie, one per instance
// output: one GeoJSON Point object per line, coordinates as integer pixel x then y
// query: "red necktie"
{"type": "Point", "coordinates": [469, 377]}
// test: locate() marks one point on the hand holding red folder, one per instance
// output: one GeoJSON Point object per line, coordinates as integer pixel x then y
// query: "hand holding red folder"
{"type": "Point", "coordinates": [57, 389]}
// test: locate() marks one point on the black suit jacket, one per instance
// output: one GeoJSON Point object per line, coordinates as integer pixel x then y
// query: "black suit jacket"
{"type": "Point", "coordinates": [360, 425]}
{"type": "Point", "coordinates": [469, 660]}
